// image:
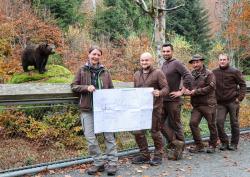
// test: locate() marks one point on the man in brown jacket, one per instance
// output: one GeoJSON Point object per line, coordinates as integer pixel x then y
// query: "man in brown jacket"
{"type": "Point", "coordinates": [230, 91]}
{"type": "Point", "coordinates": [148, 76]}
{"type": "Point", "coordinates": [204, 104]}
{"type": "Point", "coordinates": [171, 125]}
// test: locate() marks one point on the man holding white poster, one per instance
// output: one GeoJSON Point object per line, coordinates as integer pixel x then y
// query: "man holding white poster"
{"type": "Point", "coordinates": [148, 76]}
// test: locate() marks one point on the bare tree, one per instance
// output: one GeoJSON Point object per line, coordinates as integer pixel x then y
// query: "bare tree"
{"type": "Point", "coordinates": [157, 10]}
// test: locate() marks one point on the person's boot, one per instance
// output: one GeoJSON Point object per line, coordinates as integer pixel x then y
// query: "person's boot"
{"type": "Point", "coordinates": [211, 149]}
{"type": "Point", "coordinates": [224, 146]}
{"type": "Point", "coordinates": [111, 170]}
{"type": "Point", "coordinates": [179, 147]}
{"type": "Point", "coordinates": [94, 169]}
{"type": "Point", "coordinates": [140, 159]}
{"type": "Point", "coordinates": [176, 153]}
{"type": "Point", "coordinates": [232, 147]}
{"type": "Point", "coordinates": [197, 148]}
{"type": "Point", "coordinates": [157, 160]}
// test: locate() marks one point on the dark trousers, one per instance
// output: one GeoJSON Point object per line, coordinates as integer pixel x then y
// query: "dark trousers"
{"type": "Point", "coordinates": [171, 125]}
{"type": "Point", "coordinates": [222, 111]}
{"type": "Point", "coordinates": [209, 113]}
{"type": "Point", "coordinates": [141, 139]}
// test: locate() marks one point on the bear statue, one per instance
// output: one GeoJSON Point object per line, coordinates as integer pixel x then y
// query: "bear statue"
{"type": "Point", "coordinates": [37, 56]}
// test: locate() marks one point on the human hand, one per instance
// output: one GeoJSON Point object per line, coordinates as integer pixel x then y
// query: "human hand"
{"type": "Point", "coordinates": [91, 88]}
{"type": "Point", "coordinates": [156, 93]}
{"type": "Point", "coordinates": [187, 92]}
{"type": "Point", "coordinates": [192, 92]}
{"type": "Point", "coordinates": [175, 94]}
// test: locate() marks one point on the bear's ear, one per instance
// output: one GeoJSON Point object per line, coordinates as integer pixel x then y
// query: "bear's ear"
{"type": "Point", "coordinates": [42, 46]}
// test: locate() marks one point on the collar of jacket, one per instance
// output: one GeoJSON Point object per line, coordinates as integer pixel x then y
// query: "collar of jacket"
{"type": "Point", "coordinates": [168, 61]}
{"type": "Point", "coordinates": [151, 68]}
{"type": "Point", "coordinates": [89, 66]}
{"type": "Point", "coordinates": [224, 68]}
{"type": "Point", "coordinates": [196, 73]}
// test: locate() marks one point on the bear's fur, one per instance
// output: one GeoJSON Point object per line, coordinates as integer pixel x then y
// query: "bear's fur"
{"type": "Point", "coordinates": [37, 56]}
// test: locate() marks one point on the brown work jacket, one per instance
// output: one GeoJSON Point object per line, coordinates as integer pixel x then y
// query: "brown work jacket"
{"type": "Point", "coordinates": [156, 79]}
{"type": "Point", "coordinates": [176, 72]}
{"type": "Point", "coordinates": [230, 85]}
{"type": "Point", "coordinates": [204, 85]}
{"type": "Point", "coordinates": [83, 80]}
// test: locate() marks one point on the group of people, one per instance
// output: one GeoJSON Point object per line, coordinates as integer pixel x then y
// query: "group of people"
{"type": "Point", "coordinates": [213, 94]}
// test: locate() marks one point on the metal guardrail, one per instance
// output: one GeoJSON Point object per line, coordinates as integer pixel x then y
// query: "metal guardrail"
{"type": "Point", "coordinates": [40, 93]}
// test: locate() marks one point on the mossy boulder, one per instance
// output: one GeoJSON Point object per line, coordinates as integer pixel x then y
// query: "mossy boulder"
{"type": "Point", "coordinates": [55, 74]}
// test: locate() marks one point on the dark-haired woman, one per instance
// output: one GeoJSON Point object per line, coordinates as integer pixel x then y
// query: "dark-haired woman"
{"type": "Point", "coordinates": [90, 77]}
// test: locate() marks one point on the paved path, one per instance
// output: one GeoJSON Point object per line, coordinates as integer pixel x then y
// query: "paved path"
{"type": "Point", "coordinates": [219, 164]}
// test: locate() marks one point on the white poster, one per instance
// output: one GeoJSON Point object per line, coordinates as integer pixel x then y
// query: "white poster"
{"type": "Point", "coordinates": [127, 109]}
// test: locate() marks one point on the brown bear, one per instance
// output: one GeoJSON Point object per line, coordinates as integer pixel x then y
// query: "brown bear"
{"type": "Point", "coordinates": [37, 56]}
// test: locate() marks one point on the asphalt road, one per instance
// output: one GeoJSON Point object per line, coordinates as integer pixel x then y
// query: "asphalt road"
{"type": "Point", "coordinates": [219, 164]}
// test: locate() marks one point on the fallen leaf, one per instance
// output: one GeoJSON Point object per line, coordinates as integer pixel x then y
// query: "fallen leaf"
{"type": "Point", "coordinates": [52, 172]}
{"type": "Point", "coordinates": [139, 171]}
{"type": "Point", "coordinates": [82, 170]}
{"type": "Point", "coordinates": [165, 173]}
{"type": "Point", "coordinates": [225, 156]}
{"type": "Point", "coordinates": [144, 167]}
{"type": "Point", "coordinates": [180, 169]}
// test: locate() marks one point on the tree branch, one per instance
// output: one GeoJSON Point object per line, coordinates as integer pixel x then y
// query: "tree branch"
{"type": "Point", "coordinates": [142, 5]}
{"type": "Point", "coordinates": [171, 9]}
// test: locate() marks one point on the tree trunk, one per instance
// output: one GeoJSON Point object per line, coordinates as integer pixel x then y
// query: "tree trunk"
{"type": "Point", "coordinates": [159, 29]}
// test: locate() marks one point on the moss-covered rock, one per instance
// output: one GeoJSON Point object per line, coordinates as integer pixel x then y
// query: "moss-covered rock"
{"type": "Point", "coordinates": [55, 74]}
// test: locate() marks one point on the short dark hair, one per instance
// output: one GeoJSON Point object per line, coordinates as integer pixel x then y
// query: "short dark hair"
{"type": "Point", "coordinates": [93, 48]}
{"type": "Point", "coordinates": [168, 45]}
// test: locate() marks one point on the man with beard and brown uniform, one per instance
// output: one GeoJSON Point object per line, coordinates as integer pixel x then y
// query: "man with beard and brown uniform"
{"type": "Point", "coordinates": [171, 125]}
{"type": "Point", "coordinates": [230, 91]}
{"type": "Point", "coordinates": [148, 76]}
{"type": "Point", "coordinates": [204, 104]}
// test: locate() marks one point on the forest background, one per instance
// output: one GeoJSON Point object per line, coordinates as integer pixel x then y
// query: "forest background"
{"type": "Point", "coordinates": [123, 31]}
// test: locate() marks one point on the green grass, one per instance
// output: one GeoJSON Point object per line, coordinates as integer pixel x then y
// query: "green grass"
{"type": "Point", "coordinates": [247, 77]}
{"type": "Point", "coordinates": [55, 74]}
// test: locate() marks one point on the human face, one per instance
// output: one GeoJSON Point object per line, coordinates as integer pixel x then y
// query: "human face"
{"type": "Point", "coordinates": [94, 57]}
{"type": "Point", "coordinates": [197, 65]}
{"type": "Point", "coordinates": [167, 52]}
{"type": "Point", "coordinates": [145, 61]}
{"type": "Point", "coordinates": [223, 61]}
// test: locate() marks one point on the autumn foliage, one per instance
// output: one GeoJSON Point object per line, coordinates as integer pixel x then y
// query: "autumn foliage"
{"type": "Point", "coordinates": [20, 26]}
{"type": "Point", "coordinates": [237, 30]}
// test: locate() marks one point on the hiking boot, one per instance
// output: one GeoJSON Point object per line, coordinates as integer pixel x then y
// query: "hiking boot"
{"type": "Point", "coordinates": [94, 169]}
{"type": "Point", "coordinates": [179, 146]}
{"type": "Point", "coordinates": [173, 156]}
{"type": "Point", "coordinates": [224, 146]}
{"type": "Point", "coordinates": [156, 161]}
{"type": "Point", "coordinates": [140, 159]}
{"type": "Point", "coordinates": [111, 170]}
{"type": "Point", "coordinates": [232, 147]}
{"type": "Point", "coordinates": [211, 149]}
{"type": "Point", "coordinates": [197, 148]}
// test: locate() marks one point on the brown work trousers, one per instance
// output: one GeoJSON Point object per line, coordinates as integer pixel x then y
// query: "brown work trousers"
{"type": "Point", "coordinates": [171, 125]}
{"type": "Point", "coordinates": [141, 139]}
{"type": "Point", "coordinates": [209, 113]}
{"type": "Point", "coordinates": [222, 111]}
